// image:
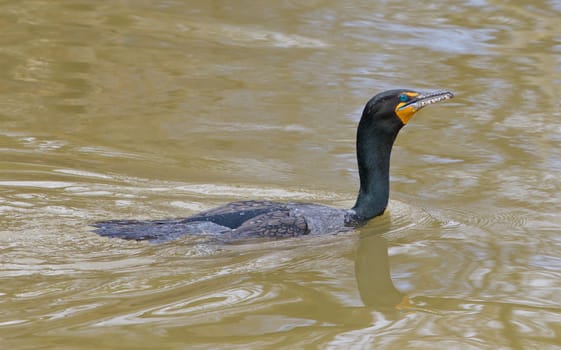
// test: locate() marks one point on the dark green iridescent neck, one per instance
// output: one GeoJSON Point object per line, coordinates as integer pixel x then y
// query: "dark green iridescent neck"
{"type": "Point", "coordinates": [374, 146]}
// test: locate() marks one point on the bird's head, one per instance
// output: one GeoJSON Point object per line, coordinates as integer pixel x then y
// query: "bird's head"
{"type": "Point", "coordinates": [392, 109]}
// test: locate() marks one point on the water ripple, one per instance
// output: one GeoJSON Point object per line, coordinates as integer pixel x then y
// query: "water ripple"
{"type": "Point", "coordinates": [201, 308]}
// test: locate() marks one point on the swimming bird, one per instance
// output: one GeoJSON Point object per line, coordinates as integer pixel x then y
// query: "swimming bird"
{"type": "Point", "coordinates": [382, 118]}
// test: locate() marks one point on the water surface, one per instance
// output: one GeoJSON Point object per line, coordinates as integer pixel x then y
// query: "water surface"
{"type": "Point", "coordinates": [159, 109]}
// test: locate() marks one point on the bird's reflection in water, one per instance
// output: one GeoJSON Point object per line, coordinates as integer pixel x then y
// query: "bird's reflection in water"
{"type": "Point", "coordinates": [373, 275]}
{"type": "Point", "coordinates": [372, 270]}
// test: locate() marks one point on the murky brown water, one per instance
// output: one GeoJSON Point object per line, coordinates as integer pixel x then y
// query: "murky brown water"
{"type": "Point", "coordinates": [158, 109]}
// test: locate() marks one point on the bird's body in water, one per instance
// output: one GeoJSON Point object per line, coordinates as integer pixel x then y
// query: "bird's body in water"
{"type": "Point", "coordinates": [237, 220]}
{"type": "Point", "coordinates": [383, 116]}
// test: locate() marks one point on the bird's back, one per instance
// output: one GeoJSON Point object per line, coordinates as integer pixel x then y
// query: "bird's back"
{"type": "Point", "coordinates": [244, 219]}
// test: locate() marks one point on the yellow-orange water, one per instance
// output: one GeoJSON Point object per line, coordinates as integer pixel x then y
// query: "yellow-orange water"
{"type": "Point", "coordinates": [154, 109]}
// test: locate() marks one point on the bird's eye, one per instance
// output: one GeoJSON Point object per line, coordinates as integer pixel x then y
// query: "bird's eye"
{"type": "Point", "coordinates": [403, 98]}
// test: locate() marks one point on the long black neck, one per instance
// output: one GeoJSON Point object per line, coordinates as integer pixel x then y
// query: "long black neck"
{"type": "Point", "coordinates": [373, 149]}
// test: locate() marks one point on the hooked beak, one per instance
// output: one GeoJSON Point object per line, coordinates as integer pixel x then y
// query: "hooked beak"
{"type": "Point", "coordinates": [406, 110]}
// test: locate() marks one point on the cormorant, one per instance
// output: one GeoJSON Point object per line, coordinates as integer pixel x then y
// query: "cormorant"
{"type": "Point", "coordinates": [383, 116]}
